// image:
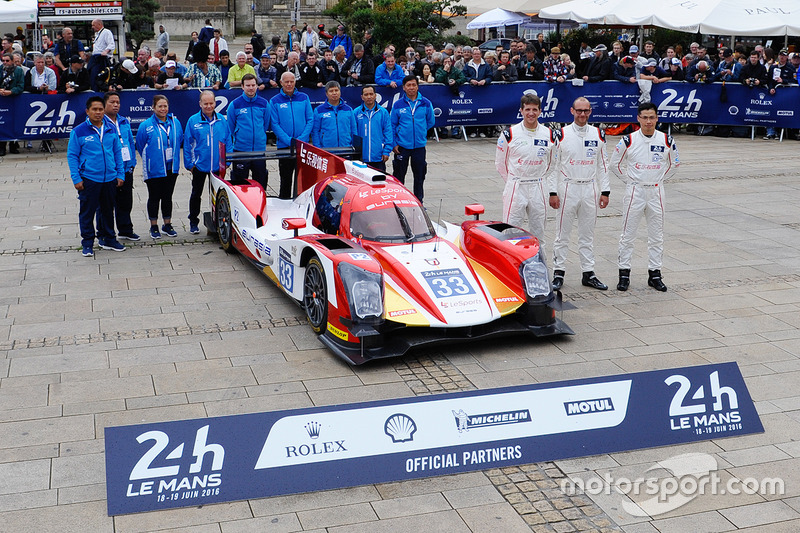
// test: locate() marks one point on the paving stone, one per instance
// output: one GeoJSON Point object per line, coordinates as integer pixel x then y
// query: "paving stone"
{"type": "Point", "coordinates": [337, 516]}
{"type": "Point", "coordinates": [83, 391]}
{"type": "Point", "coordinates": [181, 518]}
{"type": "Point", "coordinates": [711, 521]}
{"type": "Point", "coordinates": [760, 514]}
{"type": "Point", "coordinates": [78, 470]}
{"type": "Point", "coordinates": [283, 523]}
{"type": "Point", "coordinates": [493, 518]}
{"type": "Point", "coordinates": [24, 476]}
{"type": "Point", "coordinates": [410, 505]}
{"type": "Point", "coordinates": [472, 496]}
{"type": "Point", "coordinates": [82, 493]}
{"type": "Point", "coordinates": [28, 500]}
{"type": "Point", "coordinates": [441, 522]}
{"type": "Point", "coordinates": [46, 431]}
{"type": "Point", "coordinates": [317, 500]}
{"type": "Point", "coordinates": [76, 518]}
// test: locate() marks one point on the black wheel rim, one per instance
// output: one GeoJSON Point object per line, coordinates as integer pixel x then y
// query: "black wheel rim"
{"type": "Point", "coordinates": [224, 219]}
{"type": "Point", "coordinates": [314, 298]}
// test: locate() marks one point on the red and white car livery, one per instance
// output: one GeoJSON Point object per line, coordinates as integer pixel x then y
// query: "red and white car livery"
{"type": "Point", "coordinates": [375, 276]}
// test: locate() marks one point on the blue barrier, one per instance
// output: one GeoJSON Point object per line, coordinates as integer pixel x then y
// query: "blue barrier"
{"type": "Point", "coordinates": [33, 116]}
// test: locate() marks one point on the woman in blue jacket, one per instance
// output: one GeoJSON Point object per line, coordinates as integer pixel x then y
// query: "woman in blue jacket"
{"type": "Point", "coordinates": [159, 141]}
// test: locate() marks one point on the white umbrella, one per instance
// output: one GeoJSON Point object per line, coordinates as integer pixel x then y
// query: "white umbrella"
{"type": "Point", "coordinates": [496, 18]}
{"type": "Point", "coordinates": [18, 11]}
{"type": "Point", "coordinates": [726, 17]}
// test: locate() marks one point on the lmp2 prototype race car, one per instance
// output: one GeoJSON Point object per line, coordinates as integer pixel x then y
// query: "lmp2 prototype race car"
{"type": "Point", "coordinates": [374, 275]}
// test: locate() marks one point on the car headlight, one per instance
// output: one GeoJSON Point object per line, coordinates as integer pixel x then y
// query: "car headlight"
{"type": "Point", "coordinates": [364, 291]}
{"type": "Point", "coordinates": [535, 277]}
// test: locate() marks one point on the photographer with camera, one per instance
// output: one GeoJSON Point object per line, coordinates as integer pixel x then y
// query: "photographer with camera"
{"type": "Point", "coordinates": [753, 74]}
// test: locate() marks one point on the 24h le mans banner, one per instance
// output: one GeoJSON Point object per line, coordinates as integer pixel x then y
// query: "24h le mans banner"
{"type": "Point", "coordinates": [32, 116]}
{"type": "Point", "coordinates": [197, 462]}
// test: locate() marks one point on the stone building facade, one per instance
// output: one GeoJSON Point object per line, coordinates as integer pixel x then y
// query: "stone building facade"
{"type": "Point", "coordinates": [269, 17]}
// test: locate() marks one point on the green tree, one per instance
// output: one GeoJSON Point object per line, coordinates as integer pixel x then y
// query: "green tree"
{"type": "Point", "coordinates": [401, 22]}
{"type": "Point", "coordinates": [140, 16]}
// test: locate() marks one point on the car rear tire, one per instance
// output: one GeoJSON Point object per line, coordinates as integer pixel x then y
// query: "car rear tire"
{"type": "Point", "coordinates": [315, 296]}
{"type": "Point", "coordinates": [224, 222]}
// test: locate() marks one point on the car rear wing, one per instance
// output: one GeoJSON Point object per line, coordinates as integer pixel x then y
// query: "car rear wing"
{"type": "Point", "coordinates": [313, 164]}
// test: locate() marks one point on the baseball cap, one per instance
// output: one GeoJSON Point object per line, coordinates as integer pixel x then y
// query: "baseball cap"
{"type": "Point", "coordinates": [265, 55]}
{"type": "Point", "coordinates": [650, 63]}
{"type": "Point", "coordinates": [784, 52]}
{"type": "Point", "coordinates": [130, 66]}
{"type": "Point", "coordinates": [634, 49]}
{"type": "Point", "coordinates": [600, 48]}
{"type": "Point", "coordinates": [628, 59]}
{"type": "Point", "coordinates": [76, 59]}
{"type": "Point", "coordinates": [170, 64]}
{"type": "Point", "coordinates": [676, 61]}
{"type": "Point", "coordinates": [340, 27]}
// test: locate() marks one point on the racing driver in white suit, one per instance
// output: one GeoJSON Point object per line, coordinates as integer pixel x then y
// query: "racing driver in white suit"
{"type": "Point", "coordinates": [526, 159]}
{"type": "Point", "coordinates": [581, 170]}
{"type": "Point", "coordinates": [643, 160]}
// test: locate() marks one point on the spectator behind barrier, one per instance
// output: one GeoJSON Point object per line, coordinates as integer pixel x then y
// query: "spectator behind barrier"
{"type": "Point", "coordinates": [40, 79]}
{"type": "Point", "coordinates": [505, 71]}
{"type": "Point", "coordinates": [358, 69]}
{"type": "Point", "coordinates": [76, 78]}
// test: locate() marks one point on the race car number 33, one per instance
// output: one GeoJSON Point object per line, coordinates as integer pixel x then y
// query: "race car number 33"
{"type": "Point", "coordinates": [449, 282]}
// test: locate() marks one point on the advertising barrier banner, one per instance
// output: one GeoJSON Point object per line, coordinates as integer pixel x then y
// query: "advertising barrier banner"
{"type": "Point", "coordinates": [30, 116]}
{"type": "Point", "coordinates": [197, 462]}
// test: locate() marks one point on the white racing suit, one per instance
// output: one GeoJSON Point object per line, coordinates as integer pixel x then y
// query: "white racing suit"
{"type": "Point", "coordinates": [582, 170]}
{"type": "Point", "coordinates": [526, 161]}
{"type": "Point", "coordinates": [643, 163]}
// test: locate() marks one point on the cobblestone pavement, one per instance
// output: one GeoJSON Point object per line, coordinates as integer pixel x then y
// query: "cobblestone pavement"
{"type": "Point", "coordinates": [180, 330]}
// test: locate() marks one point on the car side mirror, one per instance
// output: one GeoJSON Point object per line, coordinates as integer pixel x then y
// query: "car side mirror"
{"type": "Point", "coordinates": [475, 210]}
{"type": "Point", "coordinates": [294, 224]}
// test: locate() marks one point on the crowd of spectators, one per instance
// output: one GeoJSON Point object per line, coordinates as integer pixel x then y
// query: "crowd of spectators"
{"type": "Point", "coordinates": [316, 58]}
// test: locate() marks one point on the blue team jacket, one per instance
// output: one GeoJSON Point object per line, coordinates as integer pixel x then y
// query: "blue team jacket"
{"type": "Point", "coordinates": [201, 140]}
{"type": "Point", "coordinates": [411, 120]}
{"type": "Point", "coordinates": [292, 117]}
{"type": "Point", "coordinates": [248, 122]}
{"type": "Point", "coordinates": [333, 126]}
{"type": "Point", "coordinates": [126, 141]}
{"type": "Point", "coordinates": [152, 141]}
{"type": "Point", "coordinates": [375, 127]}
{"type": "Point", "coordinates": [93, 156]}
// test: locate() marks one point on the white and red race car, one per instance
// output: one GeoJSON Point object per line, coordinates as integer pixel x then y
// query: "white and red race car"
{"type": "Point", "coordinates": [375, 276]}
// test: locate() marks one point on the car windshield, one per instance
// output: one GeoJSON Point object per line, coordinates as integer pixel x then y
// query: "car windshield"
{"type": "Point", "coordinates": [394, 223]}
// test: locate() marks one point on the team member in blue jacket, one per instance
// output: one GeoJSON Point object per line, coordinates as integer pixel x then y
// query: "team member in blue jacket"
{"type": "Point", "coordinates": [248, 122]}
{"type": "Point", "coordinates": [334, 120]}
{"type": "Point", "coordinates": [96, 169]}
{"type": "Point", "coordinates": [159, 140]}
{"type": "Point", "coordinates": [124, 199]}
{"type": "Point", "coordinates": [412, 117]}
{"type": "Point", "coordinates": [204, 131]}
{"type": "Point", "coordinates": [388, 73]}
{"type": "Point", "coordinates": [292, 118]}
{"type": "Point", "coordinates": [375, 128]}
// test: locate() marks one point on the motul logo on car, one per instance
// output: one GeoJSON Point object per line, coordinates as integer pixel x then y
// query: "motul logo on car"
{"type": "Point", "coordinates": [506, 299]}
{"type": "Point", "coordinates": [402, 312]}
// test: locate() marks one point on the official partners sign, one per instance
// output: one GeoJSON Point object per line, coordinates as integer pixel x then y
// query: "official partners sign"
{"type": "Point", "coordinates": [196, 462]}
